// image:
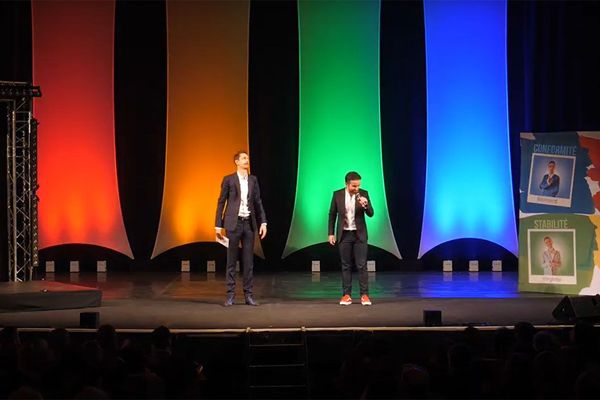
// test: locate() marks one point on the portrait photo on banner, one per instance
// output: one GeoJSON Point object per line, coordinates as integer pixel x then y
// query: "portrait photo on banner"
{"type": "Point", "coordinates": [551, 179]}
{"type": "Point", "coordinates": [552, 257]}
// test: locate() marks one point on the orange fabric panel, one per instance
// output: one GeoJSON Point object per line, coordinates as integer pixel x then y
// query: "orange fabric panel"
{"type": "Point", "coordinates": [207, 117]}
{"type": "Point", "coordinates": [73, 64]}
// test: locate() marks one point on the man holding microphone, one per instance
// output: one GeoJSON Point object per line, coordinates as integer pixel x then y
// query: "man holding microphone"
{"type": "Point", "coordinates": [349, 207]}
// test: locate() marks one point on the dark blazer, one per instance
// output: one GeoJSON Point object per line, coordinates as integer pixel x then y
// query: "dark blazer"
{"type": "Point", "coordinates": [228, 205]}
{"type": "Point", "coordinates": [338, 211]}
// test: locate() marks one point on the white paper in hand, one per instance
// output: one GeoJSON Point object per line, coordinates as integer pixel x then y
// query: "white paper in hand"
{"type": "Point", "coordinates": [224, 240]}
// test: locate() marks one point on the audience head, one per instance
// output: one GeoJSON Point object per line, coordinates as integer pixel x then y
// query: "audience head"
{"type": "Point", "coordinates": [161, 338]}
{"type": "Point", "coordinates": [107, 338]}
{"type": "Point", "coordinates": [524, 332]}
{"type": "Point", "coordinates": [545, 341]}
{"type": "Point", "coordinates": [472, 337]}
{"type": "Point", "coordinates": [504, 340]}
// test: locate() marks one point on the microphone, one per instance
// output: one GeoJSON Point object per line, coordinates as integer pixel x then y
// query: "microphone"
{"type": "Point", "coordinates": [358, 197]}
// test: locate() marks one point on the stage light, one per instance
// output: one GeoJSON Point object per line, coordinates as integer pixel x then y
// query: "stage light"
{"type": "Point", "coordinates": [18, 89]}
{"type": "Point", "coordinates": [497, 266]}
{"type": "Point", "coordinates": [101, 266]}
{"type": "Point", "coordinates": [473, 266]}
{"type": "Point", "coordinates": [447, 266]}
{"type": "Point", "coordinates": [185, 265]}
{"type": "Point", "coordinates": [211, 266]}
{"type": "Point", "coordinates": [371, 266]}
{"type": "Point", "coordinates": [50, 267]}
{"type": "Point", "coordinates": [339, 117]}
{"type": "Point", "coordinates": [468, 192]}
{"type": "Point", "coordinates": [316, 266]}
{"type": "Point", "coordinates": [73, 266]}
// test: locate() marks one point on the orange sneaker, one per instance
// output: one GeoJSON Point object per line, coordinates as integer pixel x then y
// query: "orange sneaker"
{"type": "Point", "coordinates": [365, 300]}
{"type": "Point", "coordinates": [346, 300]}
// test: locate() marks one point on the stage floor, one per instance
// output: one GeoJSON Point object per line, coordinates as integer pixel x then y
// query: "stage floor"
{"type": "Point", "coordinates": [293, 300]}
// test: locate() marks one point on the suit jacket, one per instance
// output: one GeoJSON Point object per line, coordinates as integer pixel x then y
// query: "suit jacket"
{"type": "Point", "coordinates": [228, 205]}
{"type": "Point", "coordinates": [337, 210]}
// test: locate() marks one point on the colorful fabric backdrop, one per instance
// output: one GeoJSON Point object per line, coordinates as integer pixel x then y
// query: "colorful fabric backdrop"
{"type": "Point", "coordinates": [311, 90]}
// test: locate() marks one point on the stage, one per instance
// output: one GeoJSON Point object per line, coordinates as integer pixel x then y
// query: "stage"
{"type": "Point", "coordinates": [193, 301]}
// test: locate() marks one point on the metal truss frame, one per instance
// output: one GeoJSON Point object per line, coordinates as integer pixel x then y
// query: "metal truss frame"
{"type": "Point", "coordinates": [21, 178]}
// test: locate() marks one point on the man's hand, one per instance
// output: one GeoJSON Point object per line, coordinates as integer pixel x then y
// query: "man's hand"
{"type": "Point", "coordinates": [262, 231]}
{"type": "Point", "coordinates": [219, 233]}
{"type": "Point", "coordinates": [331, 240]}
{"type": "Point", "coordinates": [363, 201]}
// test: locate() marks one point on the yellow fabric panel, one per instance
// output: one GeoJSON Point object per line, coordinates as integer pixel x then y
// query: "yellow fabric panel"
{"type": "Point", "coordinates": [207, 114]}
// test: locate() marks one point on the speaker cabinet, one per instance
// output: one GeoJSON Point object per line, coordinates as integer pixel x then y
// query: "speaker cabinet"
{"type": "Point", "coordinates": [574, 308]}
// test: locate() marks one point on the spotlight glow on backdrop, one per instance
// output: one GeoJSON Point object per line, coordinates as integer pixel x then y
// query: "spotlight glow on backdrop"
{"type": "Point", "coordinates": [73, 63]}
{"type": "Point", "coordinates": [339, 117]}
{"type": "Point", "coordinates": [207, 116]}
{"type": "Point", "coordinates": [468, 191]}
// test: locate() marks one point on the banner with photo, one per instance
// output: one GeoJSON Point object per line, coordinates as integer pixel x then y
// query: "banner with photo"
{"type": "Point", "coordinates": [559, 232]}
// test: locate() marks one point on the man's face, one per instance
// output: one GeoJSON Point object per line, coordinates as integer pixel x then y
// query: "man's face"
{"type": "Point", "coordinates": [243, 161]}
{"type": "Point", "coordinates": [551, 168]}
{"type": "Point", "coordinates": [353, 186]}
{"type": "Point", "coordinates": [548, 243]}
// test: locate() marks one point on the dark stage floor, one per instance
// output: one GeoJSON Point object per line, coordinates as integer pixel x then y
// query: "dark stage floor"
{"type": "Point", "coordinates": [293, 300]}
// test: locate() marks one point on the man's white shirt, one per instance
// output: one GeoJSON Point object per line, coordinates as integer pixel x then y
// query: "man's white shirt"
{"type": "Point", "coordinates": [349, 221]}
{"type": "Point", "coordinates": [244, 210]}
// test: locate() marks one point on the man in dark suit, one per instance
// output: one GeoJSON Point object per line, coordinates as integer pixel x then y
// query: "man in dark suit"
{"type": "Point", "coordinates": [349, 206]}
{"type": "Point", "coordinates": [550, 184]}
{"type": "Point", "coordinates": [240, 212]}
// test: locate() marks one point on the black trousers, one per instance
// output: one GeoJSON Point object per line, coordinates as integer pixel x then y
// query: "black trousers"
{"type": "Point", "coordinates": [352, 248]}
{"type": "Point", "coordinates": [243, 232]}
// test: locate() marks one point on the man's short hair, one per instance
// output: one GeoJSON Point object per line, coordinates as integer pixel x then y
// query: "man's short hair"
{"type": "Point", "coordinates": [237, 155]}
{"type": "Point", "coordinates": [547, 238]}
{"type": "Point", "coordinates": [552, 162]}
{"type": "Point", "coordinates": [352, 176]}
